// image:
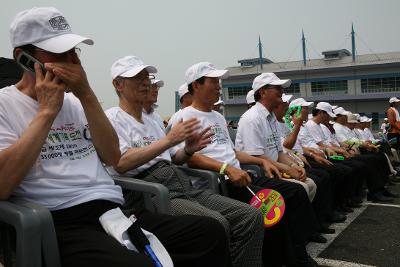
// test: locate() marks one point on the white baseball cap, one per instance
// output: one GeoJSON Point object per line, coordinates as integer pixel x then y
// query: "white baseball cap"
{"type": "Point", "coordinates": [183, 90]}
{"type": "Point", "coordinates": [287, 98]}
{"type": "Point", "coordinates": [325, 106]}
{"type": "Point", "coordinates": [250, 97]}
{"type": "Point", "coordinates": [301, 102]}
{"type": "Point", "coordinates": [269, 78]}
{"type": "Point", "coordinates": [393, 100]}
{"type": "Point", "coordinates": [365, 119]}
{"type": "Point", "coordinates": [204, 69]}
{"type": "Point", "coordinates": [129, 66]}
{"type": "Point", "coordinates": [385, 119]}
{"type": "Point", "coordinates": [219, 102]}
{"type": "Point", "coordinates": [351, 118]}
{"type": "Point", "coordinates": [340, 111]}
{"type": "Point", "coordinates": [159, 83]}
{"type": "Point", "coordinates": [46, 28]}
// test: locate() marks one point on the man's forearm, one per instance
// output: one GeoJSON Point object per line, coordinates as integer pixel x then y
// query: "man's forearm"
{"type": "Point", "coordinates": [135, 157]}
{"type": "Point", "coordinates": [291, 139]}
{"type": "Point", "coordinates": [203, 162]}
{"type": "Point", "coordinates": [18, 159]}
{"type": "Point", "coordinates": [103, 135]}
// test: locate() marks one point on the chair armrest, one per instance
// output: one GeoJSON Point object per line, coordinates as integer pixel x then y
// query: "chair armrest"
{"type": "Point", "coordinates": [159, 191]}
{"type": "Point", "coordinates": [252, 167]}
{"type": "Point", "coordinates": [51, 256]}
{"type": "Point", "coordinates": [27, 226]}
{"type": "Point", "coordinates": [210, 176]}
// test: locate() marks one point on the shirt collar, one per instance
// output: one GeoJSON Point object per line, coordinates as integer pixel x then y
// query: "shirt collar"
{"type": "Point", "coordinates": [264, 111]}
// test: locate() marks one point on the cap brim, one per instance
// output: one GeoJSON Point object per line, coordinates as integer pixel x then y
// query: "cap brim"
{"type": "Point", "coordinates": [307, 104]}
{"type": "Point", "coordinates": [63, 43]}
{"type": "Point", "coordinates": [132, 72]}
{"type": "Point", "coordinates": [219, 102]}
{"type": "Point", "coordinates": [331, 114]}
{"type": "Point", "coordinates": [283, 83]}
{"type": "Point", "coordinates": [159, 83]}
{"type": "Point", "coordinates": [222, 74]}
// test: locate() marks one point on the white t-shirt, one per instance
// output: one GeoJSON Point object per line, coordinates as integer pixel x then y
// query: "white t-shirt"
{"type": "Point", "coordinates": [360, 134]}
{"type": "Point", "coordinates": [134, 134]}
{"type": "Point", "coordinates": [68, 170]}
{"type": "Point", "coordinates": [221, 147]}
{"type": "Point", "coordinates": [315, 131]}
{"type": "Point", "coordinates": [305, 139]}
{"type": "Point", "coordinates": [331, 138]}
{"type": "Point", "coordinates": [285, 131]}
{"type": "Point", "coordinates": [156, 117]}
{"type": "Point", "coordinates": [258, 133]}
{"type": "Point", "coordinates": [369, 135]}
{"type": "Point", "coordinates": [343, 132]}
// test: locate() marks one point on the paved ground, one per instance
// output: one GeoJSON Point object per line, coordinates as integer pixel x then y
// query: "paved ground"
{"type": "Point", "coordinates": [369, 237]}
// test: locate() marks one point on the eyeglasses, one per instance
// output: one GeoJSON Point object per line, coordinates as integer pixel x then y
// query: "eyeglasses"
{"type": "Point", "coordinates": [75, 50]}
{"type": "Point", "coordinates": [141, 78]}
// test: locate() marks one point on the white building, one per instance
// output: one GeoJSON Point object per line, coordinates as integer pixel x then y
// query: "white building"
{"type": "Point", "coordinates": [362, 86]}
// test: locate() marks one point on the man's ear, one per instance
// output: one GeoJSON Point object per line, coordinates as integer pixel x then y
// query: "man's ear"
{"type": "Point", "coordinates": [118, 84]}
{"type": "Point", "coordinates": [17, 51]}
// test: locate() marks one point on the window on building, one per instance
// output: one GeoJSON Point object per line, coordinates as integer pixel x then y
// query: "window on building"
{"type": "Point", "coordinates": [380, 85]}
{"type": "Point", "coordinates": [238, 92]}
{"type": "Point", "coordinates": [294, 89]}
{"type": "Point", "coordinates": [329, 87]}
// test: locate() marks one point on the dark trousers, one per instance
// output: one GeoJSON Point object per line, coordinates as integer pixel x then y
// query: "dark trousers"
{"type": "Point", "coordinates": [323, 200]}
{"type": "Point", "coordinates": [190, 240]}
{"type": "Point", "coordinates": [339, 174]}
{"type": "Point", "coordinates": [378, 170]}
{"type": "Point", "coordinates": [397, 136]}
{"type": "Point", "coordinates": [284, 243]}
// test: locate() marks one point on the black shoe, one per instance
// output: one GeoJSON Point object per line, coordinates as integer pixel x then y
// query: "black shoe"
{"type": "Point", "coordinates": [317, 238]}
{"type": "Point", "coordinates": [336, 217]}
{"type": "Point", "coordinates": [388, 193]}
{"type": "Point", "coordinates": [326, 230]}
{"type": "Point", "coordinates": [345, 208]}
{"type": "Point", "coordinates": [353, 204]}
{"type": "Point", "coordinates": [379, 197]}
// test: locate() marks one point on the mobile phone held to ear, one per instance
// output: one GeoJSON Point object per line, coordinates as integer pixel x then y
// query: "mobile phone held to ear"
{"type": "Point", "coordinates": [27, 62]}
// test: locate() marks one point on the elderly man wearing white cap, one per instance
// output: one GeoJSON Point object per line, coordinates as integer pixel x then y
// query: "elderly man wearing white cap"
{"type": "Point", "coordinates": [150, 154]}
{"type": "Point", "coordinates": [250, 99]}
{"type": "Point", "coordinates": [54, 144]}
{"type": "Point", "coordinates": [149, 105]}
{"type": "Point", "coordinates": [222, 157]}
{"type": "Point", "coordinates": [185, 98]}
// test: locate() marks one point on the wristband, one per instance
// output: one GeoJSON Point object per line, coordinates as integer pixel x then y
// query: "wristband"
{"type": "Point", "coordinates": [187, 153]}
{"type": "Point", "coordinates": [223, 167]}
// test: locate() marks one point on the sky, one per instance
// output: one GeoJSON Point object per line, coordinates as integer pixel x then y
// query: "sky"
{"type": "Point", "coordinates": [175, 34]}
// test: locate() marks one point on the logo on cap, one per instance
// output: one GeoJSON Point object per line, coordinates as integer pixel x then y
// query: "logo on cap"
{"type": "Point", "coordinates": [59, 23]}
